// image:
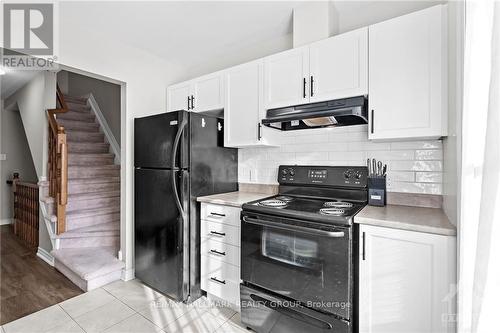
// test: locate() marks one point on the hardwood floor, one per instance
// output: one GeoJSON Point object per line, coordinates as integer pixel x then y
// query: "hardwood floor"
{"type": "Point", "coordinates": [27, 283]}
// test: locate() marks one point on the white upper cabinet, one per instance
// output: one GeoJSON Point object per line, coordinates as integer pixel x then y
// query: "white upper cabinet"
{"type": "Point", "coordinates": [177, 97]}
{"type": "Point", "coordinates": [408, 76]}
{"type": "Point", "coordinates": [406, 281]}
{"type": "Point", "coordinates": [202, 94]}
{"type": "Point", "coordinates": [286, 78]}
{"type": "Point", "coordinates": [208, 93]}
{"type": "Point", "coordinates": [332, 68]}
{"type": "Point", "coordinates": [243, 110]}
{"type": "Point", "coordinates": [339, 66]}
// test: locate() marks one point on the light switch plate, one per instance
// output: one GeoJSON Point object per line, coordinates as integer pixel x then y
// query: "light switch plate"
{"type": "Point", "coordinates": [3, 157]}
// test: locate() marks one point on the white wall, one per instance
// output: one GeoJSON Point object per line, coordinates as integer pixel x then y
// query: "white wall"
{"type": "Point", "coordinates": [357, 14]}
{"type": "Point", "coordinates": [413, 166]}
{"type": "Point", "coordinates": [144, 79]}
{"type": "Point", "coordinates": [15, 145]}
{"type": "Point", "coordinates": [32, 100]}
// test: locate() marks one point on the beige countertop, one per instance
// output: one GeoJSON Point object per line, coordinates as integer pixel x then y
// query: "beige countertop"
{"type": "Point", "coordinates": [234, 199]}
{"type": "Point", "coordinates": [430, 220]}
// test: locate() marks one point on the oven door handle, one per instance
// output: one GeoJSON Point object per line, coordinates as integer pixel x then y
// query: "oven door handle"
{"type": "Point", "coordinates": [288, 227]}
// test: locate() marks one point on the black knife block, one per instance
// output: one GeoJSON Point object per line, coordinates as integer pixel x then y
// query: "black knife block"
{"type": "Point", "coordinates": [377, 191]}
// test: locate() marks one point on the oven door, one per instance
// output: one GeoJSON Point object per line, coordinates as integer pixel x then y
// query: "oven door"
{"type": "Point", "coordinates": [300, 260]}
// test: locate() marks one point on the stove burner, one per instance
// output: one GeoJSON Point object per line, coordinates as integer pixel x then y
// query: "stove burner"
{"type": "Point", "coordinates": [338, 204]}
{"type": "Point", "coordinates": [332, 211]}
{"type": "Point", "coordinates": [273, 203]}
{"type": "Point", "coordinates": [284, 198]}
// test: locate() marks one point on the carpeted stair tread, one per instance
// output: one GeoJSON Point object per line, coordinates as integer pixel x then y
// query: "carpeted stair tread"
{"type": "Point", "coordinates": [99, 230]}
{"type": "Point", "coordinates": [78, 116]}
{"type": "Point", "coordinates": [89, 263]}
{"type": "Point", "coordinates": [93, 171]}
{"type": "Point", "coordinates": [80, 126]}
{"type": "Point", "coordinates": [77, 136]}
{"type": "Point", "coordinates": [90, 159]}
{"type": "Point", "coordinates": [75, 99]}
{"type": "Point", "coordinates": [82, 213]}
{"type": "Point", "coordinates": [96, 180]}
{"type": "Point", "coordinates": [110, 226]}
{"type": "Point", "coordinates": [88, 147]}
{"type": "Point", "coordinates": [93, 195]}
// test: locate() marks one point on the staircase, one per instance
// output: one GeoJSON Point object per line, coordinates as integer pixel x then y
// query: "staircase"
{"type": "Point", "coordinates": [86, 251]}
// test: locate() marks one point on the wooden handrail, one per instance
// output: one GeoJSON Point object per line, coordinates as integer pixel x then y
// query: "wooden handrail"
{"type": "Point", "coordinates": [58, 162]}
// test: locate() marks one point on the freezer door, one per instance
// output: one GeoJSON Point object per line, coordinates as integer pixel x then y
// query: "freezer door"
{"type": "Point", "coordinates": [154, 139]}
{"type": "Point", "coordinates": [159, 232]}
{"type": "Point", "coordinates": [214, 168]}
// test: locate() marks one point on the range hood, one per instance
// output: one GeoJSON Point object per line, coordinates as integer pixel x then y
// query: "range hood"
{"type": "Point", "coordinates": [340, 112]}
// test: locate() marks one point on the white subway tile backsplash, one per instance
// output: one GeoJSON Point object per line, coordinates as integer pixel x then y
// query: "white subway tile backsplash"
{"type": "Point", "coordinates": [435, 144]}
{"type": "Point", "coordinates": [413, 166]}
{"type": "Point", "coordinates": [347, 137]}
{"type": "Point", "coordinates": [394, 155]}
{"type": "Point", "coordinates": [436, 155]}
{"type": "Point", "coordinates": [317, 138]}
{"type": "Point", "coordinates": [425, 188]}
{"type": "Point", "coordinates": [416, 165]}
{"type": "Point", "coordinates": [368, 146]}
{"type": "Point", "coordinates": [401, 176]}
{"type": "Point", "coordinates": [347, 156]}
{"type": "Point", "coordinates": [429, 177]}
{"type": "Point", "coordinates": [312, 156]}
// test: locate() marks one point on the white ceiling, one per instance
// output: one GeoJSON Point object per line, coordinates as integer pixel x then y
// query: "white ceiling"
{"type": "Point", "coordinates": [183, 33]}
{"type": "Point", "coordinates": [14, 80]}
{"type": "Point", "coordinates": [204, 36]}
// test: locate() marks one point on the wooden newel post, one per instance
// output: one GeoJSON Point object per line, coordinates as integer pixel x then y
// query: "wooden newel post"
{"type": "Point", "coordinates": [15, 179]}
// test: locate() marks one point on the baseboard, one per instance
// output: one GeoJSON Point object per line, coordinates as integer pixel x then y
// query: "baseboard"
{"type": "Point", "coordinates": [45, 256]}
{"type": "Point", "coordinates": [6, 221]}
{"type": "Point", "coordinates": [128, 274]}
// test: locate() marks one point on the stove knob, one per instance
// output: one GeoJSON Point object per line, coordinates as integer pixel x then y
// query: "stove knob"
{"type": "Point", "coordinates": [358, 175]}
{"type": "Point", "coordinates": [347, 174]}
{"type": "Point", "coordinates": [284, 172]}
{"type": "Point", "coordinates": [292, 172]}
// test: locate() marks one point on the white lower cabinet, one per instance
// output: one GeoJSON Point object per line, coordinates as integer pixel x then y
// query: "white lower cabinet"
{"type": "Point", "coordinates": [220, 252]}
{"type": "Point", "coordinates": [407, 281]}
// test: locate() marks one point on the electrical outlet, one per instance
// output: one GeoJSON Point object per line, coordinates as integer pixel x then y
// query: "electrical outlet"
{"type": "Point", "coordinates": [3, 157]}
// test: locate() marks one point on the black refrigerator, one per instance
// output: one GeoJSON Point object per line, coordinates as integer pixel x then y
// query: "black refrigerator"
{"type": "Point", "coordinates": [179, 156]}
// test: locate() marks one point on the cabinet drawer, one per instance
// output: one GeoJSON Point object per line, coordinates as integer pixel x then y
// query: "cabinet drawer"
{"type": "Point", "coordinates": [221, 214]}
{"type": "Point", "coordinates": [229, 292]}
{"type": "Point", "coordinates": [213, 268]}
{"type": "Point", "coordinates": [221, 232]}
{"type": "Point", "coordinates": [221, 251]}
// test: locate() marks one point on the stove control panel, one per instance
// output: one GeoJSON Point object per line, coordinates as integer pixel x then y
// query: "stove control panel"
{"type": "Point", "coordinates": [323, 176]}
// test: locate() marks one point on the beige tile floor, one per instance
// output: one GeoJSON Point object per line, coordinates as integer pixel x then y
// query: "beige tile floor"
{"type": "Point", "coordinates": [127, 307]}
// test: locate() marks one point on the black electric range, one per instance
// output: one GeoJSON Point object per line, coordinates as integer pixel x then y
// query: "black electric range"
{"type": "Point", "coordinates": [297, 251]}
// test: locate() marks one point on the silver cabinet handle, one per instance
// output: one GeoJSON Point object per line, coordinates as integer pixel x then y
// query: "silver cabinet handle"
{"type": "Point", "coordinates": [217, 215]}
{"type": "Point", "coordinates": [218, 252]}
{"type": "Point", "coordinates": [221, 234]}
{"type": "Point", "coordinates": [217, 280]}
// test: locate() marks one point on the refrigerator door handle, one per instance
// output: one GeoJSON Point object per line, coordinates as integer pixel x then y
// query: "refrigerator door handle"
{"type": "Point", "coordinates": [174, 157]}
